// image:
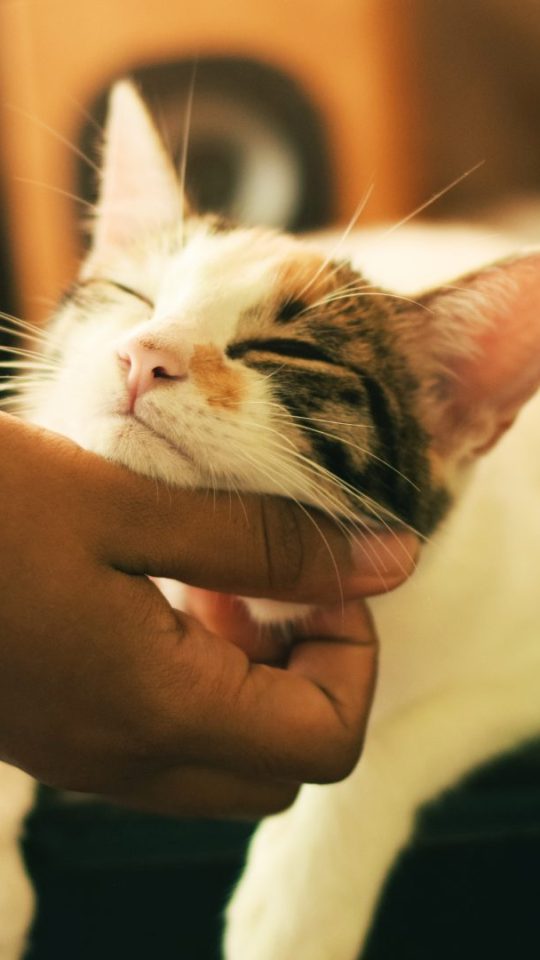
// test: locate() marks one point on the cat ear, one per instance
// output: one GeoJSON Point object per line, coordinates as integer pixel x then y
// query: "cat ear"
{"type": "Point", "coordinates": [476, 349]}
{"type": "Point", "coordinates": [139, 191]}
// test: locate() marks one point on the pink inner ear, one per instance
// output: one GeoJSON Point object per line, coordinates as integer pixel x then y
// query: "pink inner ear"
{"type": "Point", "coordinates": [509, 348]}
{"type": "Point", "coordinates": [139, 190]}
{"type": "Point", "coordinates": [496, 316]}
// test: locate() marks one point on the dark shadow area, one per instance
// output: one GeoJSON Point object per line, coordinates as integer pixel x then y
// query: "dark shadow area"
{"type": "Point", "coordinates": [115, 884]}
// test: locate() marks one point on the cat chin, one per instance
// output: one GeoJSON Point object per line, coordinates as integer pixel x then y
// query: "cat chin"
{"type": "Point", "coordinates": [135, 446]}
{"type": "Point", "coordinates": [274, 613]}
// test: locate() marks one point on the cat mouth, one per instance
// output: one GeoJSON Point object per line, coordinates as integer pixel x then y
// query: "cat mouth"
{"type": "Point", "coordinates": [131, 418]}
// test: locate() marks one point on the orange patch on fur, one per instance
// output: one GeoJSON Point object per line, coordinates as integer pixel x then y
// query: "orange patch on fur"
{"type": "Point", "coordinates": [308, 277]}
{"type": "Point", "coordinates": [439, 468]}
{"type": "Point", "coordinates": [220, 383]}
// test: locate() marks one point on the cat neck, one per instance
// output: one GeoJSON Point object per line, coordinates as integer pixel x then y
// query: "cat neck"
{"type": "Point", "coordinates": [476, 579]}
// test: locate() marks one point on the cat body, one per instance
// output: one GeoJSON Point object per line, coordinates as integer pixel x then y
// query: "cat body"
{"type": "Point", "coordinates": [459, 677]}
{"type": "Point", "coordinates": [459, 683]}
{"type": "Point", "coordinates": [209, 355]}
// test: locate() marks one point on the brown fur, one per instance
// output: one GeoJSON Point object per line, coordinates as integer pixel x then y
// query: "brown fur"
{"type": "Point", "coordinates": [359, 407]}
{"type": "Point", "coordinates": [220, 383]}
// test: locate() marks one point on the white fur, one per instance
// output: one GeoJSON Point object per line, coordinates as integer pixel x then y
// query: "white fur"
{"type": "Point", "coordinates": [459, 684]}
{"type": "Point", "coordinates": [199, 295]}
{"type": "Point", "coordinates": [16, 896]}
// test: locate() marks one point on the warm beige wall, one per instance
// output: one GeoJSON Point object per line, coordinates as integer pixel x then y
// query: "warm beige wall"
{"type": "Point", "coordinates": [56, 55]}
{"type": "Point", "coordinates": [478, 70]}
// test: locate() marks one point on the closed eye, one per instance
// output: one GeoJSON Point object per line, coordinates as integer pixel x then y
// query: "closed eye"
{"type": "Point", "coordinates": [119, 286]}
{"type": "Point", "coordinates": [283, 347]}
{"type": "Point", "coordinates": [289, 310]}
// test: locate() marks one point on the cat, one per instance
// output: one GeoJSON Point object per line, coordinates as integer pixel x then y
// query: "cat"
{"type": "Point", "coordinates": [209, 354]}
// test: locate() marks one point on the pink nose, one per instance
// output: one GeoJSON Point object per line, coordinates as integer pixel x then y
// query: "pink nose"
{"type": "Point", "coordinates": [147, 366]}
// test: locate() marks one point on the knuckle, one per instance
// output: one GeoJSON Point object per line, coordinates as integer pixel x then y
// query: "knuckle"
{"type": "Point", "coordinates": [151, 733]}
{"type": "Point", "coordinates": [340, 761]}
{"type": "Point", "coordinates": [141, 735]}
{"type": "Point", "coordinates": [282, 544]}
{"type": "Point", "coordinates": [155, 731]}
{"type": "Point", "coordinates": [280, 798]}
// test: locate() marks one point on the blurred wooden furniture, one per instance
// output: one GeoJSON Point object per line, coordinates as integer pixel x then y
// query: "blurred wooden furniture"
{"type": "Point", "coordinates": [57, 56]}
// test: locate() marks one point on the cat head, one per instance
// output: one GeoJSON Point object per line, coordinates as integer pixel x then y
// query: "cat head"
{"type": "Point", "coordinates": [213, 355]}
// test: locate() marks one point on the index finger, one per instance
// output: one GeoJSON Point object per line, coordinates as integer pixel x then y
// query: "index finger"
{"type": "Point", "coordinates": [311, 719]}
{"type": "Point", "coordinates": [302, 723]}
{"type": "Point", "coordinates": [256, 546]}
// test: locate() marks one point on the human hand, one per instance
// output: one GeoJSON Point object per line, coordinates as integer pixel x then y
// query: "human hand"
{"type": "Point", "coordinates": [105, 688]}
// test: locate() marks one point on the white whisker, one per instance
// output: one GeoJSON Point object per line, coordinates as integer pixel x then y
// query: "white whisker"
{"type": "Point", "coordinates": [185, 143]}
{"type": "Point", "coordinates": [367, 453]}
{"type": "Point", "coordinates": [25, 365]}
{"type": "Point", "coordinates": [55, 134]}
{"type": "Point", "coordinates": [427, 203]}
{"type": "Point", "coordinates": [55, 189]}
{"type": "Point", "coordinates": [85, 114]}
{"type": "Point", "coordinates": [364, 292]}
{"type": "Point", "coordinates": [336, 509]}
{"type": "Point", "coordinates": [30, 354]}
{"type": "Point", "coordinates": [352, 223]}
{"type": "Point", "coordinates": [266, 471]}
{"type": "Point", "coordinates": [30, 329]}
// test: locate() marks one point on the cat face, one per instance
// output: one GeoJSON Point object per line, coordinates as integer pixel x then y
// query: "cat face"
{"type": "Point", "coordinates": [230, 358]}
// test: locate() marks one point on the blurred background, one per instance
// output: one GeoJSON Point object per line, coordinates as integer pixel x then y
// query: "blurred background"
{"type": "Point", "coordinates": [298, 106]}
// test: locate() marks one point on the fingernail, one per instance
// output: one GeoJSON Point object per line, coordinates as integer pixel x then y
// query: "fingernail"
{"type": "Point", "coordinates": [389, 554]}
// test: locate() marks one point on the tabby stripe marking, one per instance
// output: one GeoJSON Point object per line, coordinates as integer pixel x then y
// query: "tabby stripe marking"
{"type": "Point", "coordinates": [283, 347]}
